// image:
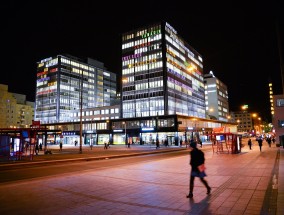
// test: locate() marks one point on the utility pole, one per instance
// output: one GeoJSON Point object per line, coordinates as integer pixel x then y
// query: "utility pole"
{"type": "Point", "coordinates": [81, 110]}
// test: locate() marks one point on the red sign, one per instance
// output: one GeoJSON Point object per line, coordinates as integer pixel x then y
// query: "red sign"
{"type": "Point", "coordinates": [37, 123]}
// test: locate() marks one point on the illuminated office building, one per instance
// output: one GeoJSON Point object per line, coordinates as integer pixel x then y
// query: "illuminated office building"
{"type": "Point", "coordinates": [216, 98]}
{"type": "Point", "coordinates": [67, 83]}
{"type": "Point", "coordinates": [161, 74]}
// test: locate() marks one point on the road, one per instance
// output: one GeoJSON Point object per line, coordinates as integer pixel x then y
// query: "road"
{"type": "Point", "coordinates": [26, 172]}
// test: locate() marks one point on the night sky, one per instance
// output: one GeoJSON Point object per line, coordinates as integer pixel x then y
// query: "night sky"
{"type": "Point", "coordinates": [237, 42]}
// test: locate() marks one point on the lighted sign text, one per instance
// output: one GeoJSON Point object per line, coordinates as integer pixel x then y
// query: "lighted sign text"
{"type": "Point", "coordinates": [41, 73]}
{"type": "Point", "coordinates": [142, 45]}
{"type": "Point", "coordinates": [46, 59]}
{"type": "Point", "coordinates": [117, 130]}
{"type": "Point", "coordinates": [43, 79]}
{"type": "Point", "coordinates": [147, 129]}
{"type": "Point", "coordinates": [133, 56]}
{"type": "Point", "coordinates": [171, 28]}
{"type": "Point", "coordinates": [44, 92]}
{"type": "Point", "coordinates": [151, 33]}
{"type": "Point", "coordinates": [53, 70]}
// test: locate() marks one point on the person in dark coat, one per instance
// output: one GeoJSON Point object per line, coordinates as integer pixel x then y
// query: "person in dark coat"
{"type": "Point", "coordinates": [106, 145]}
{"type": "Point", "coordinates": [259, 140]}
{"type": "Point", "coordinates": [36, 149]}
{"type": "Point", "coordinates": [60, 146]}
{"type": "Point", "coordinates": [157, 144]}
{"type": "Point", "coordinates": [269, 141]}
{"type": "Point", "coordinates": [249, 143]}
{"type": "Point", "coordinates": [196, 159]}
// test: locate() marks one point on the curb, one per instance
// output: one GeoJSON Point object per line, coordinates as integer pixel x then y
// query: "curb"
{"type": "Point", "coordinates": [21, 164]}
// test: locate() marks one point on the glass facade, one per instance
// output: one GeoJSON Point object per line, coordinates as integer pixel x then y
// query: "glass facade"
{"type": "Point", "coordinates": [161, 74]}
{"type": "Point", "coordinates": [63, 82]}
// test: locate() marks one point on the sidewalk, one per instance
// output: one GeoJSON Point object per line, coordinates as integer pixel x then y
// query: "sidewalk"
{"type": "Point", "coordinates": [251, 182]}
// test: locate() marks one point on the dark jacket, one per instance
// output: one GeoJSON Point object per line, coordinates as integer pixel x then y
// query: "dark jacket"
{"type": "Point", "coordinates": [259, 142]}
{"type": "Point", "coordinates": [196, 158]}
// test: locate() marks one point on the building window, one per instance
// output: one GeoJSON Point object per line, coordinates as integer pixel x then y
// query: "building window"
{"type": "Point", "coordinates": [280, 102]}
{"type": "Point", "coordinates": [281, 123]}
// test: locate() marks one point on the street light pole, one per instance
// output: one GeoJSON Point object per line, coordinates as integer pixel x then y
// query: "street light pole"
{"type": "Point", "coordinates": [125, 133]}
{"type": "Point", "coordinates": [92, 142]}
{"type": "Point", "coordinates": [81, 110]}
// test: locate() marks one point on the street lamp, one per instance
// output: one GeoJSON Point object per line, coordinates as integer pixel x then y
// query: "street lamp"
{"type": "Point", "coordinates": [125, 132]}
{"type": "Point", "coordinates": [244, 107]}
{"type": "Point", "coordinates": [229, 118]}
{"type": "Point", "coordinates": [81, 111]}
{"type": "Point", "coordinates": [92, 141]}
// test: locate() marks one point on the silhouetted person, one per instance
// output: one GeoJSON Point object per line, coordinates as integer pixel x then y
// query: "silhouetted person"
{"type": "Point", "coordinates": [166, 143]}
{"type": "Point", "coordinates": [196, 159]}
{"type": "Point", "coordinates": [157, 144]}
{"type": "Point", "coordinates": [106, 145]}
{"type": "Point", "coordinates": [269, 141]}
{"type": "Point", "coordinates": [60, 146]}
{"type": "Point", "coordinates": [273, 139]}
{"type": "Point", "coordinates": [200, 143]}
{"type": "Point", "coordinates": [259, 140]}
{"type": "Point", "coordinates": [249, 143]}
{"type": "Point", "coordinates": [36, 149]}
{"type": "Point", "coordinates": [26, 147]}
{"type": "Point", "coordinates": [128, 144]}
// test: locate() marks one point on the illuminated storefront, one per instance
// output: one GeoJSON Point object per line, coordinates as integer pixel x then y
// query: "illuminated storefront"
{"type": "Point", "coordinates": [143, 130]}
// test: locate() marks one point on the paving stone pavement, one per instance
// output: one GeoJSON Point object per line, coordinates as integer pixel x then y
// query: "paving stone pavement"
{"type": "Point", "coordinates": [250, 182]}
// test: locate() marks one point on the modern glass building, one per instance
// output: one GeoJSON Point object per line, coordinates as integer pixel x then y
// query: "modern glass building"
{"type": "Point", "coordinates": [66, 83]}
{"type": "Point", "coordinates": [161, 74]}
{"type": "Point", "coordinates": [216, 98]}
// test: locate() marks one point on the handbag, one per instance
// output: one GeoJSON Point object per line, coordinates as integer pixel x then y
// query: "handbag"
{"type": "Point", "coordinates": [201, 168]}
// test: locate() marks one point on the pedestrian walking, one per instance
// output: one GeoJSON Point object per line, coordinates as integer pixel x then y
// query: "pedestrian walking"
{"type": "Point", "coordinates": [200, 143]}
{"type": "Point", "coordinates": [269, 141]}
{"type": "Point", "coordinates": [91, 146]}
{"type": "Point", "coordinates": [36, 149]}
{"type": "Point", "coordinates": [157, 144]}
{"type": "Point", "coordinates": [60, 146]}
{"type": "Point", "coordinates": [259, 140]}
{"type": "Point", "coordinates": [186, 143]}
{"type": "Point", "coordinates": [26, 147]}
{"type": "Point", "coordinates": [273, 139]}
{"type": "Point", "coordinates": [166, 142]}
{"type": "Point", "coordinates": [106, 145]}
{"type": "Point", "coordinates": [249, 143]}
{"type": "Point", "coordinates": [197, 161]}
